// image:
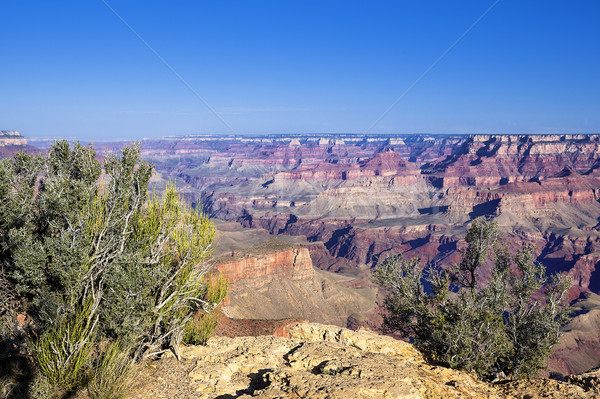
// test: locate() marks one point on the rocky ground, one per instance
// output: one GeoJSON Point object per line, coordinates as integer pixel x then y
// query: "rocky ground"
{"type": "Point", "coordinates": [318, 361]}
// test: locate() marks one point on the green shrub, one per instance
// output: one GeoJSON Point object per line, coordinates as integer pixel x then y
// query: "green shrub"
{"type": "Point", "coordinates": [508, 325]}
{"type": "Point", "coordinates": [200, 329]}
{"type": "Point", "coordinates": [90, 257]}
{"type": "Point", "coordinates": [112, 373]}
{"type": "Point", "coordinates": [217, 288]}
{"type": "Point", "coordinates": [197, 332]}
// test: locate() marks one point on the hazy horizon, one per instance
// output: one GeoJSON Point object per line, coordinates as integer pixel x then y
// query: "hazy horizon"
{"type": "Point", "coordinates": [35, 139]}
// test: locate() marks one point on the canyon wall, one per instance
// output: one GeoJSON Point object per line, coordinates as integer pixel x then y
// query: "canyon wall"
{"type": "Point", "coordinates": [366, 197]}
{"type": "Point", "coordinates": [360, 198]}
{"type": "Point", "coordinates": [544, 184]}
{"type": "Point", "coordinates": [259, 266]}
{"type": "Point", "coordinates": [12, 142]}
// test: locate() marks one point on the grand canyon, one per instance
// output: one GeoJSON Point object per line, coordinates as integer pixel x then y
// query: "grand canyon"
{"type": "Point", "coordinates": [353, 200]}
{"type": "Point", "coordinates": [303, 219]}
{"type": "Point", "coordinates": [301, 199]}
{"type": "Point", "coordinates": [341, 203]}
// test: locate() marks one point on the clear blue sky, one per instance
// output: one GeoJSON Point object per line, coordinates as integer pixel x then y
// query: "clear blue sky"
{"type": "Point", "coordinates": [72, 68]}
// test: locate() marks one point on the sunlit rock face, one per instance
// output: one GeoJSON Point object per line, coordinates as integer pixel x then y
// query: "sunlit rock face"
{"type": "Point", "coordinates": [324, 361]}
{"type": "Point", "coordinates": [12, 142]}
{"type": "Point", "coordinates": [272, 260]}
{"type": "Point", "coordinates": [277, 280]}
{"type": "Point", "coordinates": [11, 138]}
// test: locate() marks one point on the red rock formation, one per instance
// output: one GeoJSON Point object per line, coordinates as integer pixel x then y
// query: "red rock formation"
{"type": "Point", "coordinates": [271, 260]}
{"type": "Point", "coordinates": [496, 160]}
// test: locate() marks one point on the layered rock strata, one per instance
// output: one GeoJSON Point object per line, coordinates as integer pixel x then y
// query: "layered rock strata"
{"type": "Point", "coordinates": [260, 265]}
{"type": "Point", "coordinates": [361, 198]}
{"type": "Point", "coordinates": [12, 142]}
{"type": "Point", "coordinates": [11, 138]}
{"type": "Point", "coordinates": [276, 280]}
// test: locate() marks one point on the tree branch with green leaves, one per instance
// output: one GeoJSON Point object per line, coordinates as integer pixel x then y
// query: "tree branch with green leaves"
{"type": "Point", "coordinates": [507, 325]}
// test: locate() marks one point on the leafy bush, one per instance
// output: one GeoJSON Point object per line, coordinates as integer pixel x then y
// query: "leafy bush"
{"type": "Point", "coordinates": [89, 256]}
{"type": "Point", "coordinates": [508, 325]}
{"type": "Point", "coordinates": [197, 332]}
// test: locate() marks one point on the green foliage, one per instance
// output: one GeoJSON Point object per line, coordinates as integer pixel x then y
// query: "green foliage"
{"type": "Point", "coordinates": [65, 349]}
{"type": "Point", "coordinates": [112, 373]}
{"type": "Point", "coordinates": [88, 256]}
{"type": "Point", "coordinates": [508, 325]}
{"type": "Point", "coordinates": [198, 331]}
{"type": "Point", "coordinates": [217, 288]}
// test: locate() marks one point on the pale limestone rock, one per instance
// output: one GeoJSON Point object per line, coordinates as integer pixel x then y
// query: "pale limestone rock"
{"type": "Point", "coordinates": [325, 362]}
{"type": "Point", "coordinates": [318, 361]}
{"type": "Point", "coordinates": [589, 381]}
{"type": "Point", "coordinates": [11, 138]}
{"type": "Point", "coordinates": [362, 339]}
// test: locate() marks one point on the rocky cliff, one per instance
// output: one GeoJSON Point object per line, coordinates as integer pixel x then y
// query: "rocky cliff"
{"type": "Point", "coordinates": [11, 142]}
{"type": "Point", "coordinates": [318, 361]}
{"type": "Point", "coordinates": [11, 138]}
{"type": "Point", "coordinates": [276, 280]}
{"type": "Point", "coordinates": [258, 266]}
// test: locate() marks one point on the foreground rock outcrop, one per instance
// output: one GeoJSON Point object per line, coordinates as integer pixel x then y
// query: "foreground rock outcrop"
{"type": "Point", "coordinates": [319, 361]}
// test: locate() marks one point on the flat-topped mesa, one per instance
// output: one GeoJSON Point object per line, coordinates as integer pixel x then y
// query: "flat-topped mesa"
{"type": "Point", "coordinates": [384, 164]}
{"type": "Point", "coordinates": [274, 259]}
{"type": "Point", "coordinates": [11, 138]}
